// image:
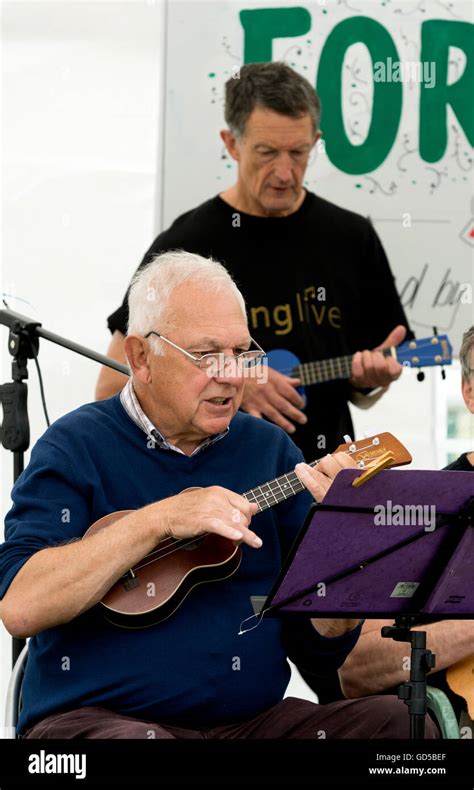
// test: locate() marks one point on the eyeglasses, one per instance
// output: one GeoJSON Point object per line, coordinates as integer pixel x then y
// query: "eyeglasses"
{"type": "Point", "coordinates": [216, 362]}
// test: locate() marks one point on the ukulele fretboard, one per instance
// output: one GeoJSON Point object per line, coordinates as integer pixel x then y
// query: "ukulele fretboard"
{"type": "Point", "coordinates": [321, 370]}
{"type": "Point", "coordinates": [276, 490]}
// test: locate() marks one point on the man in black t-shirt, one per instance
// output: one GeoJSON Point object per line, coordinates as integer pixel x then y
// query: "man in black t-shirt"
{"type": "Point", "coordinates": [450, 640]}
{"type": "Point", "coordinates": [315, 276]}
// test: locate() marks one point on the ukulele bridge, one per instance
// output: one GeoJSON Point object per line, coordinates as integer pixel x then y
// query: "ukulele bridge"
{"type": "Point", "coordinates": [130, 580]}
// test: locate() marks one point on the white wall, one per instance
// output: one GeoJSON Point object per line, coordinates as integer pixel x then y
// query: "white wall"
{"type": "Point", "coordinates": [80, 139]}
{"type": "Point", "coordinates": [80, 126]}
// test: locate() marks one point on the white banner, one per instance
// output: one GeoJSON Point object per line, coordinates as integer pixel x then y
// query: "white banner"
{"type": "Point", "coordinates": [396, 79]}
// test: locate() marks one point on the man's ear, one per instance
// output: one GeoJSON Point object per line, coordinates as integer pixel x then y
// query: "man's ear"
{"type": "Point", "coordinates": [138, 352]}
{"type": "Point", "coordinates": [230, 143]}
{"type": "Point", "coordinates": [468, 394]}
{"type": "Point", "coordinates": [317, 137]}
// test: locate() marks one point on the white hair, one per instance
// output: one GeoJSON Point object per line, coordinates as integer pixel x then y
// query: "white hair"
{"type": "Point", "coordinates": [153, 285]}
{"type": "Point", "coordinates": [465, 353]}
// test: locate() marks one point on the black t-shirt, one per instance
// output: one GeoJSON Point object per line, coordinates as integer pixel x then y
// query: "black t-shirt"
{"type": "Point", "coordinates": [316, 282]}
{"type": "Point", "coordinates": [461, 464]}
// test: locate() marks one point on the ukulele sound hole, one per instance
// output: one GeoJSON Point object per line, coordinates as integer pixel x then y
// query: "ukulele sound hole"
{"type": "Point", "coordinates": [193, 544]}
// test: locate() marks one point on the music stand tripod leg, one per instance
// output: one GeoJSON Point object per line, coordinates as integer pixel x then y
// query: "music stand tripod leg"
{"type": "Point", "coordinates": [413, 691]}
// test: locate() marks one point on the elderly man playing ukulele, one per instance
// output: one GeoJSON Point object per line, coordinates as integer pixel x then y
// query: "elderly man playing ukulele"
{"type": "Point", "coordinates": [176, 425]}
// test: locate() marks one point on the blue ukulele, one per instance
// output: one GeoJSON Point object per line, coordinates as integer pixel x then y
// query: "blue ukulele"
{"type": "Point", "coordinates": [427, 352]}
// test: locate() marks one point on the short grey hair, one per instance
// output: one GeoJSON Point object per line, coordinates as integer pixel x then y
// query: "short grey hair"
{"type": "Point", "coordinates": [153, 286]}
{"type": "Point", "coordinates": [274, 86]}
{"type": "Point", "coordinates": [465, 353]}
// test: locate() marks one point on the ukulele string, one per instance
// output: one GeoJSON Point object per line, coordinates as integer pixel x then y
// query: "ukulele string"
{"type": "Point", "coordinates": [160, 553]}
{"type": "Point", "coordinates": [179, 544]}
{"type": "Point", "coordinates": [288, 372]}
{"type": "Point", "coordinates": [421, 345]}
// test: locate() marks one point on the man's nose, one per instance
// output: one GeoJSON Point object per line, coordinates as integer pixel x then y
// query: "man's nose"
{"type": "Point", "coordinates": [230, 372]}
{"type": "Point", "coordinates": [283, 169]}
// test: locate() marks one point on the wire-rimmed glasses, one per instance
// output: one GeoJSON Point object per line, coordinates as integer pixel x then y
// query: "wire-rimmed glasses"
{"type": "Point", "coordinates": [216, 361]}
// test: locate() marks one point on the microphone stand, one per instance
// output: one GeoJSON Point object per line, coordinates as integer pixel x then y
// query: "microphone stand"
{"type": "Point", "coordinates": [23, 344]}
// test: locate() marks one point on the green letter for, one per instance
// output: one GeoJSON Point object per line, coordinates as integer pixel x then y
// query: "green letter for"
{"type": "Point", "coordinates": [262, 25]}
{"type": "Point", "coordinates": [387, 102]}
{"type": "Point", "coordinates": [437, 36]}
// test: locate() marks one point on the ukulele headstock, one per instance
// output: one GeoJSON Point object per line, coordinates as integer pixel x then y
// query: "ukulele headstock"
{"type": "Point", "coordinates": [366, 452]}
{"type": "Point", "coordinates": [426, 352]}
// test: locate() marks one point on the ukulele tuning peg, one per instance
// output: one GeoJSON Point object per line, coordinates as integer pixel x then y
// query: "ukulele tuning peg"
{"type": "Point", "coordinates": [420, 375]}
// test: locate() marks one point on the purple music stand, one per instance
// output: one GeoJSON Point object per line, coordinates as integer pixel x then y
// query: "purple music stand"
{"type": "Point", "coordinates": [356, 556]}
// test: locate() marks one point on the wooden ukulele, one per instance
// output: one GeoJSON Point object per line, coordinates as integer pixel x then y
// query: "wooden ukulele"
{"type": "Point", "coordinates": [157, 585]}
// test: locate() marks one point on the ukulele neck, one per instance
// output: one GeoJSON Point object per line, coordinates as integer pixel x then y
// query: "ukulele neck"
{"type": "Point", "coordinates": [276, 490]}
{"type": "Point", "coordinates": [321, 370]}
{"type": "Point", "coordinates": [365, 452]}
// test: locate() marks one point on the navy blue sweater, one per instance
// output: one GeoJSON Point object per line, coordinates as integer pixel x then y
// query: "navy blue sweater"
{"type": "Point", "coordinates": [193, 669]}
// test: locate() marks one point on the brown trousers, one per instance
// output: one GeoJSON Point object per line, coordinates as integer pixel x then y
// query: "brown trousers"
{"type": "Point", "coordinates": [380, 716]}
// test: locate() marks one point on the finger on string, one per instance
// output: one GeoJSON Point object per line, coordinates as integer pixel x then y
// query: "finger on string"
{"type": "Point", "coordinates": [315, 482]}
{"type": "Point", "coordinates": [329, 466]}
{"type": "Point", "coordinates": [357, 369]}
{"type": "Point", "coordinates": [345, 460]}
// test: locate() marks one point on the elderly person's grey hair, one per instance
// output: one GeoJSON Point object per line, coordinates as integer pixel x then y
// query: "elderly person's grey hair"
{"type": "Point", "coordinates": [153, 285]}
{"type": "Point", "coordinates": [465, 353]}
{"type": "Point", "coordinates": [273, 86]}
